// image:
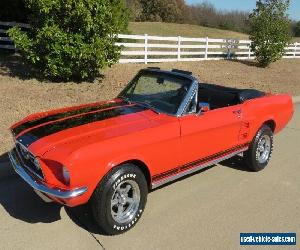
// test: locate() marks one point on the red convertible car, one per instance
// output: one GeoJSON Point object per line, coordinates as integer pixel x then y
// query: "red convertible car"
{"type": "Point", "coordinates": [162, 126]}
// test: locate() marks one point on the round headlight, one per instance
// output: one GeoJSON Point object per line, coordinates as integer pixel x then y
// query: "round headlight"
{"type": "Point", "coordinates": [66, 175]}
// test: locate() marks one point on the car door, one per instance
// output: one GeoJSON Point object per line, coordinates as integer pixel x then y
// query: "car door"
{"type": "Point", "coordinates": [209, 134]}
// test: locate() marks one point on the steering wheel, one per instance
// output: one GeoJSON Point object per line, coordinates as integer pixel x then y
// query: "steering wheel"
{"type": "Point", "coordinates": [177, 99]}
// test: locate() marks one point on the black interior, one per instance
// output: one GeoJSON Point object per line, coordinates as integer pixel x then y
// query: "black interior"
{"type": "Point", "coordinates": [220, 96]}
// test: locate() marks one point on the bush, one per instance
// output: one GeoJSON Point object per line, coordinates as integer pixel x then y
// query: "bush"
{"type": "Point", "coordinates": [270, 30]}
{"type": "Point", "coordinates": [71, 39]}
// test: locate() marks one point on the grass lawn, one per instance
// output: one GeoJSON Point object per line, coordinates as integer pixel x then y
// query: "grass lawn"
{"type": "Point", "coordinates": [186, 30]}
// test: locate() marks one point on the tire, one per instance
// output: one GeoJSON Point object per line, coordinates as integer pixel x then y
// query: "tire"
{"type": "Point", "coordinates": [119, 199]}
{"type": "Point", "coordinates": [259, 153]}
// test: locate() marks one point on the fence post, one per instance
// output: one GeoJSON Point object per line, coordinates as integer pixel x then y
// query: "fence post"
{"type": "Point", "coordinates": [295, 50]}
{"type": "Point", "coordinates": [249, 51]}
{"type": "Point", "coordinates": [178, 48]}
{"type": "Point", "coordinates": [206, 48]}
{"type": "Point", "coordinates": [146, 48]}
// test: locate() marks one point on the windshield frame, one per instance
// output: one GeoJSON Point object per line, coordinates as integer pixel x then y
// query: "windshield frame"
{"type": "Point", "coordinates": [185, 101]}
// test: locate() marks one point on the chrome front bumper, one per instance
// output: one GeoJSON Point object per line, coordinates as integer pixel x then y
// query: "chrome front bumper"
{"type": "Point", "coordinates": [54, 192]}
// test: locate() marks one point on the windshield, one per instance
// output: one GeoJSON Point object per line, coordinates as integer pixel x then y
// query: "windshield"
{"type": "Point", "coordinates": [161, 91]}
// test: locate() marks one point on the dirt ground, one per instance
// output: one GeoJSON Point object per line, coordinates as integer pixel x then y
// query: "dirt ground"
{"type": "Point", "coordinates": [22, 95]}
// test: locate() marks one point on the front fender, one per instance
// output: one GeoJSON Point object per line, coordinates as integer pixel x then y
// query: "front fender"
{"type": "Point", "coordinates": [126, 158]}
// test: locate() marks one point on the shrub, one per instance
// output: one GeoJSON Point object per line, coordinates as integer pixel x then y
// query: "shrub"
{"type": "Point", "coordinates": [71, 39]}
{"type": "Point", "coordinates": [270, 30]}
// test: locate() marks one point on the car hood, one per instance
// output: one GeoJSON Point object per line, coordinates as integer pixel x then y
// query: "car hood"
{"type": "Point", "coordinates": [45, 131]}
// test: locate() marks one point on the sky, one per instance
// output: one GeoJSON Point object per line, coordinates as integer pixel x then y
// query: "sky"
{"type": "Point", "coordinates": [247, 5]}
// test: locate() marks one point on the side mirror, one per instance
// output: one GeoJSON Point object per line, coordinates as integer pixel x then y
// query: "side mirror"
{"type": "Point", "coordinates": [203, 107]}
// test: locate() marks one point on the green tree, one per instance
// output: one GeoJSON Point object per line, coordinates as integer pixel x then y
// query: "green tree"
{"type": "Point", "coordinates": [270, 30]}
{"type": "Point", "coordinates": [135, 9]}
{"type": "Point", "coordinates": [163, 10]}
{"type": "Point", "coordinates": [71, 39]}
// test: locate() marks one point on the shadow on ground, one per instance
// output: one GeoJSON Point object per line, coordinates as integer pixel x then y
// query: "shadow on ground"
{"type": "Point", "coordinates": [250, 63]}
{"type": "Point", "coordinates": [12, 65]}
{"type": "Point", "coordinates": [83, 217]}
{"type": "Point", "coordinates": [237, 162]}
{"type": "Point", "coordinates": [21, 202]}
{"type": "Point", "coordinates": [4, 158]}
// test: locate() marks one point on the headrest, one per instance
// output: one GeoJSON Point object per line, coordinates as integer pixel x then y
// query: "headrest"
{"type": "Point", "coordinates": [248, 94]}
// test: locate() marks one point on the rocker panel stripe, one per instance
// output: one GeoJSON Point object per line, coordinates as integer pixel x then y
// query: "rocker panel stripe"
{"type": "Point", "coordinates": [189, 168]}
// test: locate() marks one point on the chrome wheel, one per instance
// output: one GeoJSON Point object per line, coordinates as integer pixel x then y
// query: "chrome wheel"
{"type": "Point", "coordinates": [125, 201]}
{"type": "Point", "coordinates": [263, 149]}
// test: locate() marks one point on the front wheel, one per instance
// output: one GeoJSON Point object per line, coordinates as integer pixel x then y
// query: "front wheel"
{"type": "Point", "coordinates": [119, 200]}
{"type": "Point", "coordinates": [259, 153]}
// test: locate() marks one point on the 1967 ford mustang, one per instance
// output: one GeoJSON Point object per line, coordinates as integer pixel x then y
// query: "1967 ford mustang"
{"type": "Point", "coordinates": [162, 126]}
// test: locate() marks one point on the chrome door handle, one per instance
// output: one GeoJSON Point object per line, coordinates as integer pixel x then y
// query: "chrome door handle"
{"type": "Point", "coordinates": [237, 112]}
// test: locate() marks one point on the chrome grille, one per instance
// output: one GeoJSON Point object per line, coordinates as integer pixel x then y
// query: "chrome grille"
{"type": "Point", "coordinates": [27, 159]}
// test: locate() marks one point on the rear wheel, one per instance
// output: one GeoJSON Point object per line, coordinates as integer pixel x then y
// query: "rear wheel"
{"type": "Point", "coordinates": [259, 153]}
{"type": "Point", "coordinates": [119, 200]}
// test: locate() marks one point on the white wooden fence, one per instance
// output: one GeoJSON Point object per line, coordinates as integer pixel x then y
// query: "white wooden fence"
{"type": "Point", "coordinates": [148, 49]}
{"type": "Point", "coordinates": [5, 42]}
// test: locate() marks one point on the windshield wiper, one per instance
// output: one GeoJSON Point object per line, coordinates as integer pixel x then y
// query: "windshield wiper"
{"type": "Point", "coordinates": [125, 99]}
{"type": "Point", "coordinates": [143, 104]}
{"type": "Point", "coordinates": [147, 105]}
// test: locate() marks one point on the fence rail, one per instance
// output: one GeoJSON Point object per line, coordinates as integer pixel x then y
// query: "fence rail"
{"type": "Point", "coordinates": [148, 49]}
{"type": "Point", "coordinates": [5, 42]}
